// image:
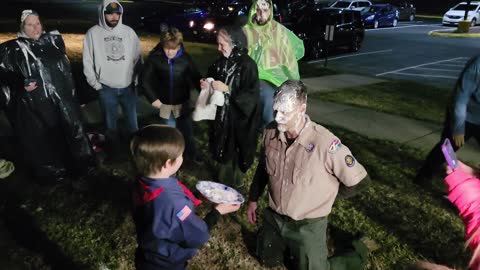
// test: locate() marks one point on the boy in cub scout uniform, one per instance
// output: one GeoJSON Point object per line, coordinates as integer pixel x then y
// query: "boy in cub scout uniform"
{"type": "Point", "coordinates": [305, 166]}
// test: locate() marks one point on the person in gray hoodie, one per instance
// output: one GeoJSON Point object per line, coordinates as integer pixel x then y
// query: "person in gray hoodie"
{"type": "Point", "coordinates": [111, 61]}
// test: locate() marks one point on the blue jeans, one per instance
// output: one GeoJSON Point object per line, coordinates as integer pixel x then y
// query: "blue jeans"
{"type": "Point", "coordinates": [185, 125]}
{"type": "Point", "coordinates": [266, 100]}
{"type": "Point", "coordinates": [110, 98]}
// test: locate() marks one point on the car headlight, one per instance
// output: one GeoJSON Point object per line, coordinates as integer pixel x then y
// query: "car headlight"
{"type": "Point", "coordinates": [369, 18]}
{"type": "Point", "coordinates": [209, 26]}
{"type": "Point", "coordinates": [191, 24]}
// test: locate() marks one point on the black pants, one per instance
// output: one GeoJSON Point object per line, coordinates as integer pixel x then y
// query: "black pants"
{"type": "Point", "coordinates": [45, 152]}
{"type": "Point", "coordinates": [435, 158]}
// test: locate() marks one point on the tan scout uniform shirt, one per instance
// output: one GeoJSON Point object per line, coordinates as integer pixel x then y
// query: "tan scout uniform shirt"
{"type": "Point", "coordinates": [304, 178]}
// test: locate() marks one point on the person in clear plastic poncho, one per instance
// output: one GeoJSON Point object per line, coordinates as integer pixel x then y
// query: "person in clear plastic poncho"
{"type": "Point", "coordinates": [37, 94]}
{"type": "Point", "coordinates": [275, 49]}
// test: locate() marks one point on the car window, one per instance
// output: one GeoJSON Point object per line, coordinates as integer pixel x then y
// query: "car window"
{"type": "Point", "coordinates": [363, 4]}
{"type": "Point", "coordinates": [341, 4]}
{"type": "Point", "coordinates": [464, 7]}
{"type": "Point", "coordinates": [371, 9]}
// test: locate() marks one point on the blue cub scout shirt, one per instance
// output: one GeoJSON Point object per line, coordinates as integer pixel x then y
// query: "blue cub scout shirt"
{"type": "Point", "coordinates": [168, 230]}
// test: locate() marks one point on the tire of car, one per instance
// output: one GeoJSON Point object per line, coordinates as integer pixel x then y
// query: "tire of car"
{"type": "Point", "coordinates": [356, 43]}
{"type": "Point", "coordinates": [375, 24]}
{"type": "Point", "coordinates": [394, 22]}
{"type": "Point", "coordinates": [473, 22]}
{"type": "Point", "coordinates": [317, 50]}
{"type": "Point", "coordinates": [411, 17]}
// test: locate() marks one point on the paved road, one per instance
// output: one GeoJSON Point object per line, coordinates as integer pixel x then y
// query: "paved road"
{"type": "Point", "coordinates": [408, 52]}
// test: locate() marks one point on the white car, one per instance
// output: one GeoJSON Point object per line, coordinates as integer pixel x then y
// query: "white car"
{"type": "Point", "coordinates": [456, 14]}
{"type": "Point", "coordinates": [352, 4]}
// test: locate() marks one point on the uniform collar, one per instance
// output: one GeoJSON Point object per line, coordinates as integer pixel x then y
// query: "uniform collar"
{"type": "Point", "coordinates": [158, 182]}
{"type": "Point", "coordinates": [304, 136]}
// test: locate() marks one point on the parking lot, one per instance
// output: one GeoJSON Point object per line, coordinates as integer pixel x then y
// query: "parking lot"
{"type": "Point", "coordinates": [407, 52]}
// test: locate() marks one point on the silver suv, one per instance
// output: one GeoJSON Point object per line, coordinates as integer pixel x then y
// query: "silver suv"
{"type": "Point", "coordinates": [354, 4]}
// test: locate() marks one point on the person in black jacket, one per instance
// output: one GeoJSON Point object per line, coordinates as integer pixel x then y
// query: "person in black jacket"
{"type": "Point", "coordinates": [38, 95]}
{"type": "Point", "coordinates": [168, 76]}
{"type": "Point", "coordinates": [462, 119]}
{"type": "Point", "coordinates": [233, 135]}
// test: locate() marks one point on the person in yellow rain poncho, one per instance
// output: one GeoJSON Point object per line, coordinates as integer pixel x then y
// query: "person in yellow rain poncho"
{"type": "Point", "coordinates": [275, 49]}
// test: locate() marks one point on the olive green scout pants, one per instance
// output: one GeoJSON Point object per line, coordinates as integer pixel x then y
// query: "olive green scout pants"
{"type": "Point", "coordinates": [306, 241]}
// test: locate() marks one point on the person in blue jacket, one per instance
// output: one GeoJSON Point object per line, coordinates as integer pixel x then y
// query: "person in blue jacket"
{"type": "Point", "coordinates": [168, 230]}
{"type": "Point", "coordinates": [462, 119]}
{"type": "Point", "coordinates": [167, 78]}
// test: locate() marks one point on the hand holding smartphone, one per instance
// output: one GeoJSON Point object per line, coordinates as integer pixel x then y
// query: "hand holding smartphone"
{"type": "Point", "coordinates": [449, 154]}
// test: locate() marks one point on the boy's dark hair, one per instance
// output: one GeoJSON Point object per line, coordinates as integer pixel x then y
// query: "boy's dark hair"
{"type": "Point", "coordinates": [170, 38]}
{"type": "Point", "coordinates": [153, 145]}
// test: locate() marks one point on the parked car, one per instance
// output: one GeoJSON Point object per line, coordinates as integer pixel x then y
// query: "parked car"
{"type": "Point", "coordinates": [406, 10]}
{"type": "Point", "coordinates": [176, 13]}
{"type": "Point", "coordinates": [348, 30]}
{"type": "Point", "coordinates": [378, 15]}
{"type": "Point", "coordinates": [456, 14]}
{"type": "Point", "coordinates": [353, 4]}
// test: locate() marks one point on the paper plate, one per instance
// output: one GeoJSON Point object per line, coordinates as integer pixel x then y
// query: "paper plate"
{"type": "Point", "coordinates": [219, 193]}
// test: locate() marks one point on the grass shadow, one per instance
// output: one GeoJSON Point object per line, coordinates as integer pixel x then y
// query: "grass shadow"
{"type": "Point", "coordinates": [27, 233]}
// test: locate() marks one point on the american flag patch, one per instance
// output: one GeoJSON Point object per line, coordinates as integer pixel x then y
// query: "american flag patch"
{"type": "Point", "coordinates": [184, 213]}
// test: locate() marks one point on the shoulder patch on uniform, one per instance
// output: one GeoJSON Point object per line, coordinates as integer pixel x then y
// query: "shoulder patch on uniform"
{"type": "Point", "coordinates": [184, 213]}
{"type": "Point", "coordinates": [349, 160]}
{"type": "Point", "coordinates": [334, 146]}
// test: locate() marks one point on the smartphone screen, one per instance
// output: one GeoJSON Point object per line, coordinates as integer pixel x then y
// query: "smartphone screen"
{"type": "Point", "coordinates": [449, 154]}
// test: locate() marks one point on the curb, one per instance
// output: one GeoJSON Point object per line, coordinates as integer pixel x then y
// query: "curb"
{"type": "Point", "coordinates": [428, 16]}
{"type": "Point", "coordinates": [442, 33]}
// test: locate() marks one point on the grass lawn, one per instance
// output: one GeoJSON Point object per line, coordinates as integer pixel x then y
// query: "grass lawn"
{"type": "Point", "coordinates": [405, 98]}
{"type": "Point", "coordinates": [57, 228]}
{"type": "Point", "coordinates": [94, 228]}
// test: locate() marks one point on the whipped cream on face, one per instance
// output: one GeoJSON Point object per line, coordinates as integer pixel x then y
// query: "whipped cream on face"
{"type": "Point", "coordinates": [264, 11]}
{"type": "Point", "coordinates": [285, 104]}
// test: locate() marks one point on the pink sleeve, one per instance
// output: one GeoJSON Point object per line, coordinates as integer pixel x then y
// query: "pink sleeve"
{"type": "Point", "coordinates": [464, 193]}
